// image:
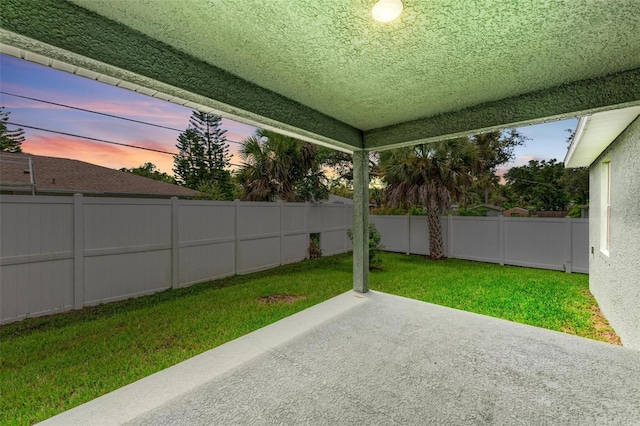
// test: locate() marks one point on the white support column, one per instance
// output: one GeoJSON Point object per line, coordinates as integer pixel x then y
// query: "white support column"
{"type": "Point", "coordinates": [361, 221]}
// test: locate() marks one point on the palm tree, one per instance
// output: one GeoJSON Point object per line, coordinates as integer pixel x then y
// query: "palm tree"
{"type": "Point", "coordinates": [430, 175]}
{"type": "Point", "coordinates": [280, 167]}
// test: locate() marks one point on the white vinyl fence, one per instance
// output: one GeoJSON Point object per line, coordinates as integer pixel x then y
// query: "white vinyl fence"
{"type": "Point", "coordinates": [547, 243]}
{"type": "Point", "coordinates": [61, 253]}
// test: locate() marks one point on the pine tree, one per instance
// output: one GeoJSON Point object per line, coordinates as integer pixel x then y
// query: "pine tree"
{"type": "Point", "coordinates": [216, 149]}
{"type": "Point", "coordinates": [204, 155]}
{"type": "Point", "coordinates": [10, 140]}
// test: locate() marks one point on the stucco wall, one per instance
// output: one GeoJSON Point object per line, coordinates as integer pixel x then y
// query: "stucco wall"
{"type": "Point", "coordinates": [615, 279]}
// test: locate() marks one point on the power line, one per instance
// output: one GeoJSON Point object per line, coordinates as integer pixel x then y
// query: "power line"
{"type": "Point", "coordinates": [102, 113]}
{"type": "Point", "coordinates": [100, 140]}
{"type": "Point", "coordinates": [90, 111]}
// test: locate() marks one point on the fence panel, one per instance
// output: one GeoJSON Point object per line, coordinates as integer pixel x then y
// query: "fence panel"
{"type": "Point", "coordinates": [333, 230]}
{"type": "Point", "coordinates": [536, 243]}
{"type": "Point", "coordinates": [295, 237]}
{"type": "Point", "coordinates": [549, 243]}
{"type": "Point", "coordinates": [126, 248]}
{"type": "Point", "coordinates": [580, 245]}
{"type": "Point", "coordinates": [206, 235]}
{"type": "Point", "coordinates": [476, 238]}
{"type": "Point", "coordinates": [61, 253]}
{"type": "Point", "coordinates": [394, 231]}
{"type": "Point", "coordinates": [314, 218]}
{"type": "Point", "coordinates": [258, 236]}
{"type": "Point", "coordinates": [36, 256]}
{"type": "Point", "coordinates": [419, 243]}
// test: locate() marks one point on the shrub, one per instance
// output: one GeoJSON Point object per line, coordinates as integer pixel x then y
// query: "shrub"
{"type": "Point", "coordinates": [575, 212]}
{"type": "Point", "coordinates": [314, 250]}
{"type": "Point", "coordinates": [375, 261]}
{"type": "Point", "coordinates": [474, 212]}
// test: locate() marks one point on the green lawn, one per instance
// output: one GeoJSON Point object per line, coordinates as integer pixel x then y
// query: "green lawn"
{"type": "Point", "coordinates": [50, 364]}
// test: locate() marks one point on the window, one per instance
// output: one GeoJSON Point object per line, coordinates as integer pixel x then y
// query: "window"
{"type": "Point", "coordinates": [605, 208]}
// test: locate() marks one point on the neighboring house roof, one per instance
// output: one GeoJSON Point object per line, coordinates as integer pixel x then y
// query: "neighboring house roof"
{"type": "Point", "coordinates": [488, 207]}
{"type": "Point", "coordinates": [336, 199]}
{"type": "Point", "coordinates": [51, 175]}
{"type": "Point", "coordinates": [516, 210]}
{"type": "Point", "coordinates": [595, 133]}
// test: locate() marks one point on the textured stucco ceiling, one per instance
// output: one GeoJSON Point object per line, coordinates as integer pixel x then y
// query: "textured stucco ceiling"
{"type": "Point", "coordinates": [442, 68]}
{"type": "Point", "coordinates": [439, 56]}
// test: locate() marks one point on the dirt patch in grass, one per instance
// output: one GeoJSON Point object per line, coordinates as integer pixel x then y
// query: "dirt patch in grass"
{"type": "Point", "coordinates": [280, 298]}
{"type": "Point", "coordinates": [602, 325]}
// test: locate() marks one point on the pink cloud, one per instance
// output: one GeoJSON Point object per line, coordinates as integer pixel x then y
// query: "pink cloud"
{"type": "Point", "coordinates": [102, 154]}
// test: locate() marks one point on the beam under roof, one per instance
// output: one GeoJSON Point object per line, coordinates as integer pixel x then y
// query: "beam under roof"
{"type": "Point", "coordinates": [616, 91]}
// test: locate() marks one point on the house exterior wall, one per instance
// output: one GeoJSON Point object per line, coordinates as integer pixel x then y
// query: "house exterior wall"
{"type": "Point", "coordinates": [614, 278]}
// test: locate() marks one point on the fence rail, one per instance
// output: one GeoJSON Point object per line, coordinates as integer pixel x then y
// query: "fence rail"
{"type": "Point", "coordinates": [61, 253]}
{"type": "Point", "coordinates": [547, 243]}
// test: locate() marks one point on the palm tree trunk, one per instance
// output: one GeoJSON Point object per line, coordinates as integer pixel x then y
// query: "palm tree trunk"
{"type": "Point", "coordinates": [436, 245]}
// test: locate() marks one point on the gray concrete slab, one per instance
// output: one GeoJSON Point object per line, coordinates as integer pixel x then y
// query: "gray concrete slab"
{"type": "Point", "coordinates": [382, 359]}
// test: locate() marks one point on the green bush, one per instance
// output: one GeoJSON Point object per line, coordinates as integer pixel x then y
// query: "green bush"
{"type": "Point", "coordinates": [399, 211]}
{"type": "Point", "coordinates": [375, 261]}
{"type": "Point", "coordinates": [575, 212]}
{"type": "Point", "coordinates": [474, 212]}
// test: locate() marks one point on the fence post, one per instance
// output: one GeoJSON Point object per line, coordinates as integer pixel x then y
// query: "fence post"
{"type": "Point", "coordinates": [175, 243]}
{"type": "Point", "coordinates": [236, 235]}
{"type": "Point", "coordinates": [501, 239]}
{"type": "Point", "coordinates": [408, 234]}
{"type": "Point", "coordinates": [568, 261]}
{"type": "Point", "coordinates": [321, 227]}
{"type": "Point", "coordinates": [449, 235]}
{"type": "Point", "coordinates": [306, 225]}
{"type": "Point", "coordinates": [78, 251]}
{"type": "Point", "coordinates": [281, 204]}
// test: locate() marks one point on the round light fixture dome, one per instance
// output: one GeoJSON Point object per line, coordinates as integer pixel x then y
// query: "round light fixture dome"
{"type": "Point", "coordinates": [387, 10]}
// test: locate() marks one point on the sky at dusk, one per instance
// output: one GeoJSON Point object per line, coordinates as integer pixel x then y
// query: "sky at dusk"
{"type": "Point", "coordinates": [25, 78]}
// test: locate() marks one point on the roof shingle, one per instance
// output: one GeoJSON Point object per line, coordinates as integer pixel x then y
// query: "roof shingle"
{"type": "Point", "coordinates": [63, 175]}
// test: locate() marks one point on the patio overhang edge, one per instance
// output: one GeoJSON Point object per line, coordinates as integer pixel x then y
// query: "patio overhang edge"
{"type": "Point", "coordinates": [584, 97]}
{"type": "Point", "coordinates": [66, 32]}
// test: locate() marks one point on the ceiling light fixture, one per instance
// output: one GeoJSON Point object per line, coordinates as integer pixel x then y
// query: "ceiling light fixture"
{"type": "Point", "coordinates": [387, 10]}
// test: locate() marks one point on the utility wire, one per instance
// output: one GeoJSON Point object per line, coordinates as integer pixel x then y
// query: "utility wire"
{"type": "Point", "coordinates": [537, 183]}
{"type": "Point", "coordinates": [102, 113]}
{"type": "Point", "coordinates": [100, 140]}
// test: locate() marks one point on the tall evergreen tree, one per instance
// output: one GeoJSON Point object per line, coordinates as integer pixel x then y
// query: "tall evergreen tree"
{"type": "Point", "coordinates": [208, 128]}
{"type": "Point", "coordinates": [203, 155]}
{"type": "Point", "coordinates": [10, 140]}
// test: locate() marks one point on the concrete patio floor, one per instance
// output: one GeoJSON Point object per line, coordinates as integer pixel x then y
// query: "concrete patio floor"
{"type": "Point", "coordinates": [383, 359]}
